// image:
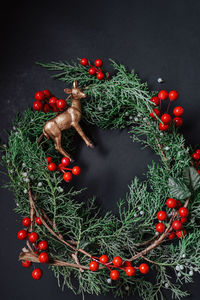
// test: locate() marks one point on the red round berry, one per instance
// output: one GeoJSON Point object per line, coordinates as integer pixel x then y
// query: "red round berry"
{"type": "Point", "coordinates": [84, 61]}
{"type": "Point", "coordinates": [171, 203]}
{"type": "Point", "coordinates": [92, 71]}
{"type": "Point", "coordinates": [76, 170]}
{"type": "Point", "coordinates": [178, 111]}
{"type": "Point", "coordinates": [65, 161]}
{"type": "Point", "coordinates": [42, 245]}
{"type": "Point", "coordinates": [98, 62]}
{"type": "Point", "coordinates": [181, 233]}
{"type": "Point", "coordinates": [198, 171]}
{"type": "Point", "coordinates": [161, 215]}
{"type": "Point", "coordinates": [26, 222]}
{"type": "Point", "coordinates": [183, 220]}
{"type": "Point", "coordinates": [183, 212]}
{"type": "Point", "coordinates": [37, 105]}
{"type": "Point", "coordinates": [176, 225]}
{"type": "Point", "coordinates": [198, 151]}
{"type": "Point", "coordinates": [178, 204]}
{"type": "Point", "coordinates": [127, 263]}
{"type": "Point", "coordinates": [39, 96]}
{"type": "Point", "coordinates": [52, 167]}
{"type": "Point", "coordinates": [171, 235]}
{"type": "Point", "coordinates": [61, 104]}
{"type": "Point", "coordinates": [94, 266]}
{"type": "Point", "coordinates": [173, 95]}
{"type": "Point", "coordinates": [37, 274]}
{"type": "Point", "coordinates": [104, 259]}
{"type": "Point", "coordinates": [47, 93]}
{"type": "Point", "coordinates": [155, 112]}
{"type": "Point", "coordinates": [178, 121]}
{"type": "Point", "coordinates": [52, 101]}
{"type": "Point", "coordinates": [55, 109]}
{"type": "Point", "coordinates": [46, 108]}
{"type": "Point", "coordinates": [163, 127]}
{"type": "Point", "coordinates": [49, 159]}
{"type": "Point", "coordinates": [43, 258]}
{"type": "Point", "coordinates": [114, 275]}
{"type": "Point", "coordinates": [38, 221]}
{"type": "Point", "coordinates": [160, 227]}
{"type": "Point", "coordinates": [155, 100]}
{"type": "Point", "coordinates": [67, 177]}
{"type": "Point", "coordinates": [166, 119]}
{"type": "Point", "coordinates": [22, 234]}
{"type": "Point", "coordinates": [100, 75]}
{"type": "Point", "coordinates": [33, 237]}
{"type": "Point", "coordinates": [144, 268]}
{"type": "Point", "coordinates": [26, 263]}
{"type": "Point", "coordinates": [117, 261]}
{"type": "Point", "coordinates": [195, 156]}
{"type": "Point", "coordinates": [162, 95]}
{"type": "Point", "coordinates": [130, 271]}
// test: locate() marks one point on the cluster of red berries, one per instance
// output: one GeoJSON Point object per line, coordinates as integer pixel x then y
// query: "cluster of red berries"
{"type": "Point", "coordinates": [196, 158]}
{"type": "Point", "coordinates": [166, 118]}
{"type": "Point", "coordinates": [118, 263]}
{"type": "Point", "coordinates": [65, 161]}
{"type": "Point", "coordinates": [179, 219]}
{"type": "Point", "coordinates": [94, 70]}
{"type": "Point", "coordinates": [47, 102]}
{"type": "Point", "coordinates": [37, 245]}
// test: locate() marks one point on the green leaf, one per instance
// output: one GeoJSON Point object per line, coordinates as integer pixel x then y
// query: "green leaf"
{"type": "Point", "coordinates": [178, 189]}
{"type": "Point", "coordinates": [191, 178]}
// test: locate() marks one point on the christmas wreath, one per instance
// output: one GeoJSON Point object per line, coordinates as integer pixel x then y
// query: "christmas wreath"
{"type": "Point", "coordinates": [157, 229]}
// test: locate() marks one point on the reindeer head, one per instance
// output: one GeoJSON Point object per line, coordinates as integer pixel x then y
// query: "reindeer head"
{"type": "Point", "coordinates": [76, 93]}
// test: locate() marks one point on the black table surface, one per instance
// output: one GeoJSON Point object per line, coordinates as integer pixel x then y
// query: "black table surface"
{"type": "Point", "coordinates": [156, 38]}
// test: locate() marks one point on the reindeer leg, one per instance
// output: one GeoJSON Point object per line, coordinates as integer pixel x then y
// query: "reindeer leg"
{"type": "Point", "coordinates": [82, 135]}
{"type": "Point", "coordinates": [58, 147]}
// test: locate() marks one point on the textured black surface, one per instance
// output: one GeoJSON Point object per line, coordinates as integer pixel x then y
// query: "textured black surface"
{"type": "Point", "coordinates": [157, 38]}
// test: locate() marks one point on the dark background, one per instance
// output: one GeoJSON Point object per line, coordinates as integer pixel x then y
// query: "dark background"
{"type": "Point", "coordinates": [157, 38]}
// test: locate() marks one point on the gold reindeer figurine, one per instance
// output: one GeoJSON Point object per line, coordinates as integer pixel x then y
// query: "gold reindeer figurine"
{"type": "Point", "coordinates": [65, 120]}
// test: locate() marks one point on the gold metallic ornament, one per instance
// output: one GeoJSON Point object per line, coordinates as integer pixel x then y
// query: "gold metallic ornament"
{"type": "Point", "coordinates": [70, 117]}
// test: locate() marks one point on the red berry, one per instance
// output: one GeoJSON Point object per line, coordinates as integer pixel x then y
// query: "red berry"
{"type": "Point", "coordinates": [47, 93]}
{"type": "Point", "coordinates": [155, 112]}
{"type": "Point", "coordinates": [178, 121]}
{"type": "Point", "coordinates": [114, 275]}
{"type": "Point", "coordinates": [166, 119]}
{"type": "Point", "coordinates": [198, 151]}
{"type": "Point", "coordinates": [37, 274]}
{"type": "Point", "coordinates": [65, 161]}
{"type": "Point", "coordinates": [172, 235]}
{"type": "Point", "coordinates": [198, 171]}
{"type": "Point", "coordinates": [178, 111]}
{"type": "Point", "coordinates": [67, 177]}
{"type": "Point", "coordinates": [178, 204]}
{"type": "Point", "coordinates": [171, 203]}
{"type": "Point", "coordinates": [104, 259]}
{"type": "Point", "coordinates": [49, 159]}
{"type": "Point", "coordinates": [39, 96]}
{"type": "Point", "coordinates": [26, 263]}
{"type": "Point", "coordinates": [173, 95]}
{"type": "Point", "coordinates": [42, 245]}
{"type": "Point", "coordinates": [43, 258]}
{"type": "Point", "coordinates": [183, 220]}
{"type": "Point", "coordinates": [162, 95]}
{"type": "Point", "coordinates": [26, 222]}
{"type": "Point", "coordinates": [52, 101]}
{"type": "Point", "coordinates": [195, 156]}
{"type": "Point", "coordinates": [127, 263]}
{"type": "Point", "coordinates": [181, 233]}
{"type": "Point", "coordinates": [130, 271]}
{"type": "Point", "coordinates": [163, 127]}
{"type": "Point", "coordinates": [160, 227]}
{"type": "Point", "coordinates": [98, 62]}
{"type": "Point", "coordinates": [100, 75]}
{"type": "Point", "coordinates": [84, 61]}
{"type": "Point", "coordinates": [37, 105]}
{"type": "Point", "coordinates": [76, 170]}
{"type": "Point", "coordinates": [46, 108]}
{"type": "Point", "coordinates": [38, 221]}
{"type": "Point", "coordinates": [144, 268]}
{"type": "Point", "coordinates": [183, 212]}
{"type": "Point", "coordinates": [22, 234]}
{"type": "Point", "coordinates": [117, 261]}
{"type": "Point", "coordinates": [61, 104]}
{"type": "Point", "coordinates": [161, 215]}
{"type": "Point", "coordinates": [55, 109]}
{"type": "Point", "coordinates": [155, 100]}
{"type": "Point", "coordinates": [176, 225]}
{"type": "Point", "coordinates": [52, 167]}
{"type": "Point", "coordinates": [94, 266]}
{"type": "Point", "coordinates": [33, 237]}
{"type": "Point", "coordinates": [92, 71]}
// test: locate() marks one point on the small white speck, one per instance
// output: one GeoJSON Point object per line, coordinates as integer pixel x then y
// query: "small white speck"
{"type": "Point", "coordinates": [181, 267]}
{"type": "Point", "coordinates": [160, 80]}
{"type": "Point", "coordinates": [16, 133]}
{"type": "Point", "coordinates": [127, 288]}
{"type": "Point", "coordinates": [161, 134]}
{"type": "Point", "coordinates": [4, 145]}
{"type": "Point", "coordinates": [196, 269]}
{"type": "Point", "coordinates": [136, 119]}
{"type": "Point", "coordinates": [166, 148]}
{"type": "Point", "coordinates": [25, 191]}
{"type": "Point", "coordinates": [177, 268]}
{"type": "Point", "coordinates": [109, 280]}
{"type": "Point", "coordinates": [14, 128]}
{"type": "Point", "coordinates": [130, 118]}
{"type": "Point", "coordinates": [11, 171]}
{"type": "Point", "coordinates": [186, 263]}
{"type": "Point", "coordinates": [139, 115]}
{"type": "Point", "coordinates": [166, 285]}
{"type": "Point", "coordinates": [17, 204]}
{"type": "Point", "coordinates": [23, 165]}
{"type": "Point", "coordinates": [135, 215]}
{"type": "Point", "coordinates": [126, 113]}
{"type": "Point", "coordinates": [24, 174]}
{"type": "Point", "coordinates": [39, 184]}
{"type": "Point", "coordinates": [141, 212]}
{"type": "Point", "coordinates": [183, 255]}
{"type": "Point", "coordinates": [191, 273]}
{"type": "Point", "coordinates": [8, 161]}
{"type": "Point", "coordinates": [179, 274]}
{"type": "Point", "coordinates": [100, 108]}
{"type": "Point", "coordinates": [157, 233]}
{"type": "Point", "coordinates": [139, 207]}
{"type": "Point", "coordinates": [144, 119]}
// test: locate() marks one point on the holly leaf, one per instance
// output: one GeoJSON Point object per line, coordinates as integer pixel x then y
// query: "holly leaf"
{"type": "Point", "coordinates": [191, 178]}
{"type": "Point", "coordinates": [178, 189]}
